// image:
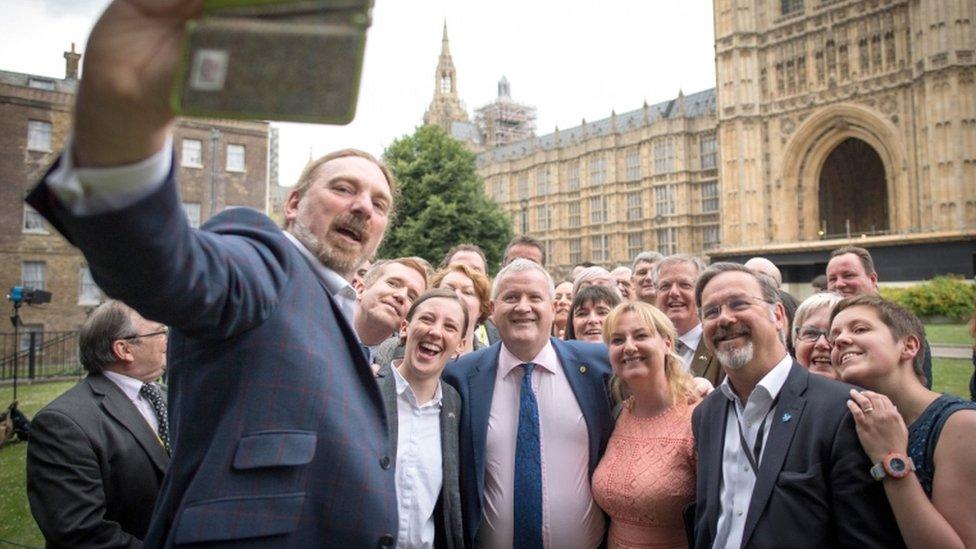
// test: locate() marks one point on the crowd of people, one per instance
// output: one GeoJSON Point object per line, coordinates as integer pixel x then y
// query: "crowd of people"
{"type": "Point", "coordinates": [315, 397]}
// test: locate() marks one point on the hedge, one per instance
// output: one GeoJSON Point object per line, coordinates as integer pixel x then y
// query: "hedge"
{"type": "Point", "coordinates": [949, 296]}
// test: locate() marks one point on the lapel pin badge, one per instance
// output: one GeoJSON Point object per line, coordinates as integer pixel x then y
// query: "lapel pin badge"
{"type": "Point", "coordinates": [583, 369]}
{"type": "Point", "coordinates": [450, 415]}
{"type": "Point", "coordinates": [702, 357]}
{"type": "Point", "coordinates": [786, 417]}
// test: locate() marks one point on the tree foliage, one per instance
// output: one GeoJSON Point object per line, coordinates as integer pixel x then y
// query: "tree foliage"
{"type": "Point", "coordinates": [442, 200]}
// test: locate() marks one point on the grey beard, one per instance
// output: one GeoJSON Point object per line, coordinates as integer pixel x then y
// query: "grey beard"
{"type": "Point", "coordinates": [737, 358]}
{"type": "Point", "coordinates": [322, 251]}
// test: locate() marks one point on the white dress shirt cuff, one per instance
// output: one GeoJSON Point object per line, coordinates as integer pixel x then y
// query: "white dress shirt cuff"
{"type": "Point", "coordinates": [92, 191]}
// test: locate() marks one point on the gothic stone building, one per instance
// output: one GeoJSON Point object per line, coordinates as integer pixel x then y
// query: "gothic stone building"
{"type": "Point", "coordinates": [220, 164]}
{"type": "Point", "coordinates": [604, 191]}
{"type": "Point", "coordinates": [832, 122]}
{"type": "Point", "coordinates": [848, 121]}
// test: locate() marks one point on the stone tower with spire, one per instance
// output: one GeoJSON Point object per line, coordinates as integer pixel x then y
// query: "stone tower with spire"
{"type": "Point", "coordinates": [445, 108]}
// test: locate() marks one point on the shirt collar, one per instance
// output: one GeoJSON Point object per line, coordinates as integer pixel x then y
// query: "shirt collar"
{"type": "Point", "coordinates": [546, 359]}
{"type": "Point", "coordinates": [404, 389]}
{"type": "Point", "coordinates": [337, 286]}
{"type": "Point", "coordinates": [692, 337]}
{"type": "Point", "coordinates": [129, 385]}
{"type": "Point", "coordinates": [772, 383]}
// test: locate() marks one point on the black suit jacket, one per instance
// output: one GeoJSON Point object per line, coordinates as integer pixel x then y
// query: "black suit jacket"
{"type": "Point", "coordinates": [447, 515]}
{"type": "Point", "coordinates": [94, 467]}
{"type": "Point", "coordinates": [813, 487]}
{"type": "Point", "coordinates": [704, 364]}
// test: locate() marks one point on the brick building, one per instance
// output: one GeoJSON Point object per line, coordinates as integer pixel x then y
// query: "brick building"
{"type": "Point", "coordinates": [221, 164]}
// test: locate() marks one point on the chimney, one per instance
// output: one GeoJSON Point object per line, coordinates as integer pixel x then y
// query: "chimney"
{"type": "Point", "coordinates": [71, 60]}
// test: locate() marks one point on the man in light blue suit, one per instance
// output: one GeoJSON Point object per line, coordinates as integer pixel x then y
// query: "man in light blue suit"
{"type": "Point", "coordinates": [278, 430]}
{"type": "Point", "coordinates": [535, 421]}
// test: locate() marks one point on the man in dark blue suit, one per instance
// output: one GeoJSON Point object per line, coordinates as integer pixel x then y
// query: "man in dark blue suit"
{"type": "Point", "coordinates": [278, 431]}
{"type": "Point", "coordinates": [535, 421]}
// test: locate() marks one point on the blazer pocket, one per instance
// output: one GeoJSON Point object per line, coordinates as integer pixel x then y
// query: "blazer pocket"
{"type": "Point", "coordinates": [275, 449]}
{"type": "Point", "coordinates": [239, 518]}
{"type": "Point", "coordinates": [801, 495]}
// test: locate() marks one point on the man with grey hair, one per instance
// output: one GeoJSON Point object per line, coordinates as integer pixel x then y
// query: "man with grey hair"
{"type": "Point", "coordinates": [779, 462]}
{"type": "Point", "coordinates": [766, 267]}
{"type": "Point", "coordinates": [643, 276]}
{"type": "Point", "coordinates": [531, 395]}
{"type": "Point", "coordinates": [623, 275]}
{"type": "Point", "coordinates": [98, 453]}
{"type": "Point", "coordinates": [526, 247]}
{"type": "Point", "coordinates": [675, 278]}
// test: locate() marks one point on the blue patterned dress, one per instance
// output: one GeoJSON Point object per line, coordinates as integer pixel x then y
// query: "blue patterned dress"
{"type": "Point", "coordinates": [923, 436]}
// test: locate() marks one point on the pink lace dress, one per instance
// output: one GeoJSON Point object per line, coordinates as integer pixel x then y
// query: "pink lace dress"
{"type": "Point", "coordinates": [646, 477]}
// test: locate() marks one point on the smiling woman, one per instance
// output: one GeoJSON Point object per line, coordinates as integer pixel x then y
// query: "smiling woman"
{"type": "Point", "coordinates": [647, 474]}
{"type": "Point", "coordinates": [921, 442]}
{"type": "Point", "coordinates": [590, 307]}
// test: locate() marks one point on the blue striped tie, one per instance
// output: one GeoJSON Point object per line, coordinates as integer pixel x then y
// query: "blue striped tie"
{"type": "Point", "coordinates": [528, 469]}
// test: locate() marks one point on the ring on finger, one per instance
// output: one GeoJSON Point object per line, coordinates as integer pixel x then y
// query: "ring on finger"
{"type": "Point", "coordinates": [869, 409]}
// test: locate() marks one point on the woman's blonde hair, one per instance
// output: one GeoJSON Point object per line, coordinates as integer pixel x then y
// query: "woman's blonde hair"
{"type": "Point", "coordinates": [680, 382]}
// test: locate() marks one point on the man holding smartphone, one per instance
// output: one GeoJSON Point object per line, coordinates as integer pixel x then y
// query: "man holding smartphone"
{"type": "Point", "coordinates": [277, 427]}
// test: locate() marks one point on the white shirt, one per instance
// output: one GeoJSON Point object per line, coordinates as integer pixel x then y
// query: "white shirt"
{"type": "Point", "coordinates": [90, 191]}
{"type": "Point", "coordinates": [419, 466]}
{"type": "Point", "coordinates": [691, 339]}
{"type": "Point", "coordinates": [738, 478]}
{"type": "Point", "coordinates": [131, 386]}
{"type": "Point", "coordinates": [570, 518]}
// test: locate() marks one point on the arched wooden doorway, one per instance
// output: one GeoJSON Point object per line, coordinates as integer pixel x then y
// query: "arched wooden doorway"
{"type": "Point", "coordinates": [853, 190]}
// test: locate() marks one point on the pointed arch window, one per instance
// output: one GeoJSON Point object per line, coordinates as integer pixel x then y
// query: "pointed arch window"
{"type": "Point", "coordinates": [445, 83]}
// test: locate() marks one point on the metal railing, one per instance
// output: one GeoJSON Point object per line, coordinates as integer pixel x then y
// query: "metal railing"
{"type": "Point", "coordinates": [39, 355]}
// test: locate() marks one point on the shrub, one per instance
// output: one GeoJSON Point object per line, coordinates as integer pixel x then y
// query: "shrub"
{"type": "Point", "coordinates": [950, 296]}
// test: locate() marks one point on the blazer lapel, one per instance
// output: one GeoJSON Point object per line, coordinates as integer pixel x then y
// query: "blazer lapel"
{"type": "Point", "coordinates": [710, 448]}
{"type": "Point", "coordinates": [783, 425]}
{"type": "Point", "coordinates": [353, 347]}
{"type": "Point", "coordinates": [119, 407]}
{"type": "Point", "coordinates": [481, 388]}
{"type": "Point", "coordinates": [699, 361]}
{"type": "Point", "coordinates": [387, 385]}
{"type": "Point", "coordinates": [579, 376]}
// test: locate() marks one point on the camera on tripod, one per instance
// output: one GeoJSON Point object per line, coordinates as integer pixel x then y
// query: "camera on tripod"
{"type": "Point", "coordinates": [19, 295]}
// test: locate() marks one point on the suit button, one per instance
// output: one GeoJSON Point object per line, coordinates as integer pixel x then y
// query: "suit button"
{"type": "Point", "coordinates": [385, 462]}
{"type": "Point", "coordinates": [386, 541]}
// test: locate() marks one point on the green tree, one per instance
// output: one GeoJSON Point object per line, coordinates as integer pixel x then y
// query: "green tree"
{"type": "Point", "coordinates": [442, 200]}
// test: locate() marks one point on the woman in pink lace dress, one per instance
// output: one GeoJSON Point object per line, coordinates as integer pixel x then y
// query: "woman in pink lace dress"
{"type": "Point", "coordinates": [647, 474]}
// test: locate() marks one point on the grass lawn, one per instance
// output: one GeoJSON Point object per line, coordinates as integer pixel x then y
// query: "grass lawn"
{"type": "Point", "coordinates": [952, 375]}
{"type": "Point", "coordinates": [16, 523]}
{"type": "Point", "coordinates": [956, 334]}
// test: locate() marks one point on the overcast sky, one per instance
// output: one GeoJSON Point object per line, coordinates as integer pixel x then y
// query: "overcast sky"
{"type": "Point", "coordinates": [571, 59]}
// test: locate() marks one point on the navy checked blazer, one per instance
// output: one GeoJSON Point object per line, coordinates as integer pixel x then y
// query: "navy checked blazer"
{"type": "Point", "coordinates": [278, 429]}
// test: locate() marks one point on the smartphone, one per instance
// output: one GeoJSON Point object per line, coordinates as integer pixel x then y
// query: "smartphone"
{"type": "Point", "coordinates": [298, 61]}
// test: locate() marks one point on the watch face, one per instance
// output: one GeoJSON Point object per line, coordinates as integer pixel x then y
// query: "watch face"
{"type": "Point", "coordinates": [897, 465]}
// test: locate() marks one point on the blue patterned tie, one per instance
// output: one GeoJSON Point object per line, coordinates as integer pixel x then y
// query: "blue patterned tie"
{"type": "Point", "coordinates": [528, 469]}
{"type": "Point", "coordinates": [155, 397]}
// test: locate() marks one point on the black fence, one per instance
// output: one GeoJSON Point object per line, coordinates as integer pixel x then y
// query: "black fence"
{"type": "Point", "coordinates": [38, 355]}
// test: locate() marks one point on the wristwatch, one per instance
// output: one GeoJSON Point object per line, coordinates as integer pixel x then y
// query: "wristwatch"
{"type": "Point", "coordinates": [894, 465]}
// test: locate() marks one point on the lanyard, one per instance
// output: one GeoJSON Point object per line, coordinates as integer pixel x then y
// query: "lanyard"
{"type": "Point", "coordinates": [754, 454]}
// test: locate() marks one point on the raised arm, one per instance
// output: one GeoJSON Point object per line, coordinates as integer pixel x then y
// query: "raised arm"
{"type": "Point", "coordinates": [122, 113]}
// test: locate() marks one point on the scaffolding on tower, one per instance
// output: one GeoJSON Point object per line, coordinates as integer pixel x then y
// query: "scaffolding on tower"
{"type": "Point", "coordinates": [505, 121]}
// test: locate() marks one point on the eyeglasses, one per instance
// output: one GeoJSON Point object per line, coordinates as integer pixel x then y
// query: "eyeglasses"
{"type": "Point", "coordinates": [812, 334]}
{"type": "Point", "coordinates": [736, 304]}
{"type": "Point", "coordinates": [164, 331]}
